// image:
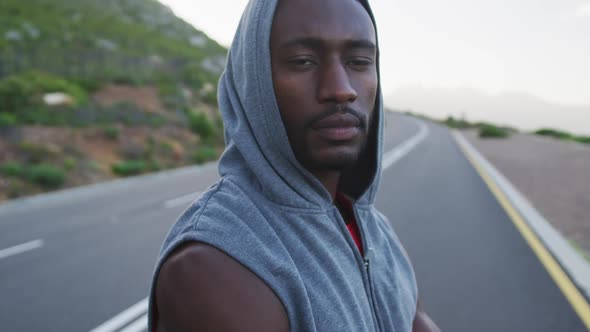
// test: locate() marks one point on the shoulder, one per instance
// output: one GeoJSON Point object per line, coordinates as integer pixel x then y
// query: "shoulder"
{"type": "Point", "coordinates": [201, 288]}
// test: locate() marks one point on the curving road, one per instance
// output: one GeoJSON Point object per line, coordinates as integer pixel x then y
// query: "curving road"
{"type": "Point", "coordinates": [83, 260]}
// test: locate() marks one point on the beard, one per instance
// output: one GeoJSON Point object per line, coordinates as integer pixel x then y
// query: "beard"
{"type": "Point", "coordinates": [336, 158]}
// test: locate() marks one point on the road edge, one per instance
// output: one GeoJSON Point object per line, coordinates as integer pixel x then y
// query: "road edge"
{"type": "Point", "coordinates": [86, 191]}
{"type": "Point", "coordinates": [564, 264]}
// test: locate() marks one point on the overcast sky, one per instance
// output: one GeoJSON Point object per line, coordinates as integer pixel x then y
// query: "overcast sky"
{"type": "Point", "coordinates": [541, 47]}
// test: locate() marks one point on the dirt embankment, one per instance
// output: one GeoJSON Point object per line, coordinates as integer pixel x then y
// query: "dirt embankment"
{"type": "Point", "coordinates": [41, 158]}
{"type": "Point", "coordinates": [554, 175]}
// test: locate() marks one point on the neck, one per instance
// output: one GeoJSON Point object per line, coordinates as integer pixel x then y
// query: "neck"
{"type": "Point", "coordinates": [330, 180]}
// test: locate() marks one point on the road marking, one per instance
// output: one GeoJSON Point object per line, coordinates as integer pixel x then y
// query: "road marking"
{"type": "Point", "coordinates": [124, 317]}
{"type": "Point", "coordinates": [139, 325]}
{"type": "Point", "coordinates": [565, 284]}
{"type": "Point", "coordinates": [182, 200]}
{"type": "Point", "coordinates": [392, 156]}
{"type": "Point", "coordinates": [21, 248]}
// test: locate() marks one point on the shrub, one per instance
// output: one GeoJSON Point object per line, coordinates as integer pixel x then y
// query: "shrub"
{"type": "Point", "coordinates": [491, 131]}
{"type": "Point", "coordinates": [111, 132]}
{"type": "Point", "coordinates": [15, 92]}
{"type": "Point", "coordinates": [12, 168]}
{"type": "Point", "coordinates": [24, 90]}
{"type": "Point", "coordinates": [582, 139]}
{"type": "Point", "coordinates": [35, 153]}
{"type": "Point", "coordinates": [553, 133]}
{"type": "Point", "coordinates": [200, 124]}
{"type": "Point", "coordinates": [89, 84]}
{"type": "Point", "coordinates": [129, 167]}
{"type": "Point", "coordinates": [46, 175]}
{"type": "Point", "coordinates": [154, 165]}
{"type": "Point", "coordinates": [7, 119]}
{"type": "Point", "coordinates": [204, 154]}
{"type": "Point", "coordinates": [458, 124]}
{"type": "Point", "coordinates": [69, 163]}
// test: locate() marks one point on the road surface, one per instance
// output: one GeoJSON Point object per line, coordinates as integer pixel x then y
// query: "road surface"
{"type": "Point", "coordinates": [84, 263]}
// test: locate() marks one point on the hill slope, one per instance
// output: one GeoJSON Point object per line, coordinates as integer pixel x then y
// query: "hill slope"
{"type": "Point", "coordinates": [133, 41]}
{"type": "Point", "coordinates": [137, 91]}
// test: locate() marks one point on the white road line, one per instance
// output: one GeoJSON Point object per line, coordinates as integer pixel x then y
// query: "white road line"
{"type": "Point", "coordinates": [182, 200]}
{"type": "Point", "coordinates": [392, 156]}
{"type": "Point", "coordinates": [21, 248]}
{"type": "Point", "coordinates": [139, 325]}
{"type": "Point", "coordinates": [124, 317]}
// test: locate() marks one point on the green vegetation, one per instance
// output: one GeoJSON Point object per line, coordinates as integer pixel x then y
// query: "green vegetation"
{"type": "Point", "coordinates": [129, 167]}
{"type": "Point", "coordinates": [111, 132]}
{"type": "Point", "coordinates": [458, 123]}
{"type": "Point", "coordinates": [487, 130]}
{"type": "Point", "coordinates": [7, 120]}
{"type": "Point", "coordinates": [93, 42]}
{"type": "Point", "coordinates": [563, 135]}
{"type": "Point", "coordinates": [554, 133]}
{"type": "Point", "coordinates": [46, 175]}
{"type": "Point", "coordinates": [26, 89]}
{"type": "Point", "coordinates": [69, 163]}
{"type": "Point", "coordinates": [12, 169]}
{"type": "Point", "coordinates": [35, 153]}
{"type": "Point", "coordinates": [200, 124]}
{"type": "Point", "coordinates": [204, 154]}
{"type": "Point", "coordinates": [77, 48]}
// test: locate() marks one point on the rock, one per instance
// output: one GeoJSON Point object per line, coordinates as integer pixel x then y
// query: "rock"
{"type": "Point", "coordinates": [198, 41]}
{"type": "Point", "coordinates": [106, 44]}
{"type": "Point", "coordinates": [58, 99]}
{"type": "Point", "coordinates": [13, 35]}
{"type": "Point", "coordinates": [214, 64]}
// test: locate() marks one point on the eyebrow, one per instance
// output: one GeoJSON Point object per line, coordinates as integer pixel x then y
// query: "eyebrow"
{"type": "Point", "coordinates": [313, 42]}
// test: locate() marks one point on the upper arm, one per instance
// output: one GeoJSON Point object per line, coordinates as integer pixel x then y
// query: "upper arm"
{"type": "Point", "coordinates": [200, 288]}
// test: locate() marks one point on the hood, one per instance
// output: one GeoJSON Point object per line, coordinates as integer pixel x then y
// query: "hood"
{"type": "Point", "coordinates": [257, 147]}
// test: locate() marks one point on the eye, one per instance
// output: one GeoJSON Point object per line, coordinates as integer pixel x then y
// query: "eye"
{"type": "Point", "coordinates": [302, 63]}
{"type": "Point", "coordinates": [360, 64]}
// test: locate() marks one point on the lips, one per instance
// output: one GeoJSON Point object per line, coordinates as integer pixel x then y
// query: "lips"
{"type": "Point", "coordinates": [338, 127]}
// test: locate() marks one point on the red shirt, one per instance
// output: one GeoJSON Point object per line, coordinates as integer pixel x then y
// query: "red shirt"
{"type": "Point", "coordinates": [350, 220]}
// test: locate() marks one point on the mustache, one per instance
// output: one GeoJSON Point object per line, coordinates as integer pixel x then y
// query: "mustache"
{"type": "Point", "coordinates": [339, 110]}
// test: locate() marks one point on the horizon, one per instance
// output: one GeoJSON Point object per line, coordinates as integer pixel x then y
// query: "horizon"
{"type": "Point", "coordinates": [537, 48]}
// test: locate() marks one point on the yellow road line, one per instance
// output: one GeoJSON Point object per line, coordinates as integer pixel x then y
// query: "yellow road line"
{"type": "Point", "coordinates": [567, 287]}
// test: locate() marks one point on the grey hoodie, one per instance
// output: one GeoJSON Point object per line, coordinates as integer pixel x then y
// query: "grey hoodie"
{"type": "Point", "coordinates": [274, 217]}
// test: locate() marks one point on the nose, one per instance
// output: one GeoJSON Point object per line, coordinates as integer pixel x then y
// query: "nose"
{"type": "Point", "coordinates": [334, 85]}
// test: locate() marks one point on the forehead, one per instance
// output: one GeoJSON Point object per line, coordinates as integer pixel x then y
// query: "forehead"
{"type": "Point", "coordinates": [322, 19]}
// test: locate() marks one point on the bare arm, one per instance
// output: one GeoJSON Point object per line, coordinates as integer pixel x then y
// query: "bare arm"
{"type": "Point", "coordinates": [423, 323]}
{"type": "Point", "coordinates": [200, 288]}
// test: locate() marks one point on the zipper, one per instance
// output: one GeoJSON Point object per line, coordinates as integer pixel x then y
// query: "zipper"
{"type": "Point", "coordinates": [367, 264]}
{"type": "Point", "coordinates": [364, 264]}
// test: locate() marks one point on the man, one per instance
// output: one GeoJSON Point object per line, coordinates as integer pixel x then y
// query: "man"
{"type": "Point", "coordinates": [289, 239]}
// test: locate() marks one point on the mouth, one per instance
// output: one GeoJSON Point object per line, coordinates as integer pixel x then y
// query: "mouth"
{"type": "Point", "coordinates": [338, 127]}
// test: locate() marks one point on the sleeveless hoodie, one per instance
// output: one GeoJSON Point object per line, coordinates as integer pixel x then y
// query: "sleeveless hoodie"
{"type": "Point", "coordinates": [275, 218]}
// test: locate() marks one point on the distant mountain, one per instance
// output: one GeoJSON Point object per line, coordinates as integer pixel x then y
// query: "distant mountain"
{"type": "Point", "coordinates": [520, 110]}
{"type": "Point", "coordinates": [125, 41]}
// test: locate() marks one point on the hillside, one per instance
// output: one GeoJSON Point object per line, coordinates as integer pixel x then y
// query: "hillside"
{"type": "Point", "coordinates": [131, 41]}
{"type": "Point", "coordinates": [95, 89]}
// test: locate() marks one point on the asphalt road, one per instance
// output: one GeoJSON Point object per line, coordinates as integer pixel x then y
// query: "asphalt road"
{"type": "Point", "coordinates": [93, 253]}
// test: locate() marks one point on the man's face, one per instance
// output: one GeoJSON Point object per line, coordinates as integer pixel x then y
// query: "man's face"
{"type": "Point", "coordinates": [324, 72]}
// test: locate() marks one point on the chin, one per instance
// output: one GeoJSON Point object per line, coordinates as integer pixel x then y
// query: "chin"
{"type": "Point", "coordinates": [338, 161]}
